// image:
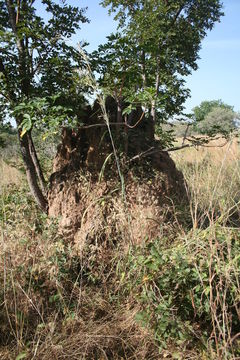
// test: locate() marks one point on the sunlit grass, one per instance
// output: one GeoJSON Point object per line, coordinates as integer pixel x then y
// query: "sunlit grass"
{"type": "Point", "coordinates": [58, 303]}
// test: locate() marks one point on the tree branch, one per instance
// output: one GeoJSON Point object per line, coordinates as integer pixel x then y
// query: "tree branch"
{"type": "Point", "coordinates": [154, 150]}
{"type": "Point", "coordinates": [12, 18]}
{"type": "Point", "coordinates": [12, 15]}
{"type": "Point", "coordinates": [185, 134]}
{"type": "Point", "coordinates": [113, 124]}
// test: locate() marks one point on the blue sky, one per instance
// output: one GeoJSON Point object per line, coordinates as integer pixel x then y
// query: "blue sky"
{"type": "Point", "coordinates": [218, 76]}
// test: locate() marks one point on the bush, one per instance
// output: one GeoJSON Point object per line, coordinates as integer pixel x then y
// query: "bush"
{"type": "Point", "coordinates": [218, 121]}
{"type": "Point", "coordinates": [189, 292]}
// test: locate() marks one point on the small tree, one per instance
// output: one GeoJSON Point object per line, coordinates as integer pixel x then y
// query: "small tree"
{"type": "Point", "coordinates": [159, 45]}
{"type": "Point", "coordinates": [36, 63]}
{"type": "Point", "coordinates": [219, 120]}
{"type": "Point", "coordinates": [142, 68]}
{"type": "Point", "coordinates": [201, 111]}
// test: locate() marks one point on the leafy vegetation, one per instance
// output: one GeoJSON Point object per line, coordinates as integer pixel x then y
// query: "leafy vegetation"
{"type": "Point", "coordinates": [191, 282]}
{"type": "Point", "coordinates": [215, 117]}
{"type": "Point", "coordinates": [36, 64]}
{"type": "Point", "coordinates": [201, 111]}
{"type": "Point", "coordinates": [218, 121]}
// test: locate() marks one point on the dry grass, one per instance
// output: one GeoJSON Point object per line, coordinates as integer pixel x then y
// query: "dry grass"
{"type": "Point", "coordinates": [216, 150]}
{"type": "Point", "coordinates": [113, 336]}
{"type": "Point", "coordinates": [55, 304]}
{"type": "Point", "coordinates": [9, 175]}
{"type": "Point", "coordinates": [212, 175]}
{"type": "Point", "coordinates": [58, 304]}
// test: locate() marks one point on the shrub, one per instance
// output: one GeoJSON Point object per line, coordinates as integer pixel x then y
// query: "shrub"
{"type": "Point", "coordinates": [218, 121]}
{"type": "Point", "coordinates": [189, 292]}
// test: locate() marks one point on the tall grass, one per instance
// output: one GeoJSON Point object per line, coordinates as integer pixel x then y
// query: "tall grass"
{"type": "Point", "coordinates": [212, 177]}
{"type": "Point", "coordinates": [55, 303]}
{"type": "Point", "coordinates": [9, 175]}
{"type": "Point", "coordinates": [174, 298]}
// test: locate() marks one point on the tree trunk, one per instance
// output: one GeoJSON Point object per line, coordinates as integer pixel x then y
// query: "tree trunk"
{"type": "Point", "coordinates": [32, 178]}
{"type": "Point", "coordinates": [153, 112]}
{"type": "Point", "coordinates": [37, 165]}
{"type": "Point", "coordinates": [119, 111]}
{"type": "Point", "coordinates": [143, 68]}
{"type": "Point", "coordinates": [150, 133]}
{"type": "Point", "coordinates": [32, 166]}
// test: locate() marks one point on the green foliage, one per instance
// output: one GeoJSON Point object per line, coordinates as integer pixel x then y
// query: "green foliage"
{"type": "Point", "coordinates": [22, 355]}
{"type": "Point", "coordinates": [7, 133]}
{"type": "Point", "coordinates": [166, 134]}
{"type": "Point", "coordinates": [219, 120]}
{"type": "Point", "coordinates": [13, 201]}
{"type": "Point", "coordinates": [46, 114]}
{"type": "Point", "coordinates": [38, 73]}
{"type": "Point", "coordinates": [194, 281]}
{"type": "Point", "coordinates": [36, 60]}
{"type": "Point", "coordinates": [144, 65]}
{"type": "Point", "coordinates": [159, 44]}
{"type": "Point", "coordinates": [46, 141]}
{"type": "Point", "coordinates": [201, 111]}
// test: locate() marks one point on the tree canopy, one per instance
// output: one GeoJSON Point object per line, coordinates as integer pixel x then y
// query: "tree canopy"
{"type": "Point", "coordinates": [36, 60]}
{"type": "Point", "coordinates": [214, 116]}
{"type": "Point", "coordinates": [220, 120]}
{"type": "Point", "coordinates": [201, 111]}
{"type": "Point", "coordinates": [158, 45]}
{"type": "Point", "coordinates": [36, 64]}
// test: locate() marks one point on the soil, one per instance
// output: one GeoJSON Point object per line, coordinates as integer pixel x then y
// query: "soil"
{"type": "Point", "coordinates": [91, 201]}
{"type": "Point", "coordinates": [92, 210]}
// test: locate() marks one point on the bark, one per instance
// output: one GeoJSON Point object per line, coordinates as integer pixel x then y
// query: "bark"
{"type": "Point", "coordinates": [22, 50]}
{"type": "Point", "coordinates": [119, 111]}
{"type": "Point", "coordinates": [152, 120]}
{"type": "Point", "coordinates": [126, 135]}
{"type": "Point", "coordinates": [31, 163]}
{"type": "Point", "coordinates": [31, 173]}
{"type": "Point", "coordinates": [37, 165]}
{"type": "Point", "coordinates": [153, 112]}
{"type": "Point", "coordinates": [143, 68]}
{"type": "Point", "coordinates": [151, 127]}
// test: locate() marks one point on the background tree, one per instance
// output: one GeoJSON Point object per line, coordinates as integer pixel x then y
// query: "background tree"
{"type": "Point", "coordinates": [220, 120]}
{"type": "Point", "coordinates": [36, 63]}
{"type": "Point", "coordinates": [201, 111]}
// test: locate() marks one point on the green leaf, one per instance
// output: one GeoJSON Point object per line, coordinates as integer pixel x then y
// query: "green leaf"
{"type": "Point", "coordinates": [103, 167]}
{"type": "Point", "coordinates": [26, 124]}
{"type": "Point", "coordinates": [21, 356]}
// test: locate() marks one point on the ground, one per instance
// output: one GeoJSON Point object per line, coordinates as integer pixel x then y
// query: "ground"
{"type": "Point", "coordinates": [135, 284]}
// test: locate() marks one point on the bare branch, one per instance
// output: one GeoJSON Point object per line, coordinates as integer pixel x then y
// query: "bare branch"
{"type": "Point", "coordinates": [154, 150]}
{"type": "Point", "coordinates": [113, 124]}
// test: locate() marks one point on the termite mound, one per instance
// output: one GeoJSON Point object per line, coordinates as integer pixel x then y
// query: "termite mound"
{"type": "Point", "coordinates": [95, 203]}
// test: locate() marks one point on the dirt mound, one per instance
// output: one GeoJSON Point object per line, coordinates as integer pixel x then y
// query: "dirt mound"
{"type": "Point", "coordinates": [92, 211]}
{"type": "Point", "coordinates": [133, 206]}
